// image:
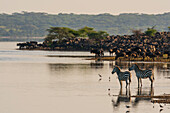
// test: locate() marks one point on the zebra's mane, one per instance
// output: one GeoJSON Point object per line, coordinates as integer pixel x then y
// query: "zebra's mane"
{"type": "Point", "coordinates": [137, 66]}
{"type": "Point", "coordinates": [117, 67]}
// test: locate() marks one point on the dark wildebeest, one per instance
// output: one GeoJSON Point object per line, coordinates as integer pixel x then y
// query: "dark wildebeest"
{"type": "Point", "coordinates": [97, 52]}
{"type": "Point", "coordinates": [111, 51]}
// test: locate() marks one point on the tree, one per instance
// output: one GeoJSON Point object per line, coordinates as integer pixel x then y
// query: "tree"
{"type": "Point", "coordinates": [59, 33]}
{"type": "Point", "coordinates": [92, 34]}
{"type": "Point", "coordinates": [151, 31]}
{"type": "Point", "coordinates": [97, 35]}
{"type": "Point", "coordinates": [169, 28]}
{"type": "Point", "coordinates": [64, 32]}
{"type": "Point", "coordinates": [85, 31]}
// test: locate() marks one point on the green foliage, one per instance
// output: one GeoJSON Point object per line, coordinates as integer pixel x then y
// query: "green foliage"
{"type": "Point", "coordinates": [30, 24]}
{"type": "Point", "coordinates": [98, 35]}
{"type": "Point", "coordinates": [64, 32]}
{"type": "Point", "coordinates": [60, 33]}
{"type": "Point", "coordinates": [169, 28]}
{"type": "Point", "coordinates": [150, 31]}
{"type": "Point", "coordinates": [85, 31]}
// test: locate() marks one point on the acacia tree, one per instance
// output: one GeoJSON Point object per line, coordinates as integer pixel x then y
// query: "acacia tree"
{"type": "Point", "coordinates": [85, 31]}
{"type": "Point", "coordinates": [151, 31]}
{"type": "Point", "coordinates": [64, 32]}
{"type": "Point", "coordinates": [60, 33]}
{"type": "Point", "coordinates": [169, 28]}
{"type": "Point", "coordinates": [92, 34]}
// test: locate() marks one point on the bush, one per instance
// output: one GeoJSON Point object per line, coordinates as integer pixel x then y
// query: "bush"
{"type": "Point", "coordinates": [150, 31]}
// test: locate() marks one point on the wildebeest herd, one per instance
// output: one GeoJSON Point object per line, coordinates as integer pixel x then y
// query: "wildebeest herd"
{"type": "Point", "coordinates": [141, 46]}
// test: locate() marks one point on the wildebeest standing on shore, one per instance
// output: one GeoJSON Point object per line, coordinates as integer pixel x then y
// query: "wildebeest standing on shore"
{"type": "Point", "coordinates": [97, 52]}
{"type": "Point", "coordinates": [112, 50]}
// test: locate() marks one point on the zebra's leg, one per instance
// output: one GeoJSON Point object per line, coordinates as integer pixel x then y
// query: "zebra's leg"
{"type": "Point", "coordinates": [126, 91]}
{"type": "Point", "coordinates": [126, 83]}
{"type": "Point", "coordinates": [120, 83]}
{"type": "Point", "coordinates": [138, 82]}
{"type": "Point", "coordinates": [151, 81]}
{"type": "Point", "coordinates": [141, 81]}
{"type": "Point", "coordinates": [129, 82]}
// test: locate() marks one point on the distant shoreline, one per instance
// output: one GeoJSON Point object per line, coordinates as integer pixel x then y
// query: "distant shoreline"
{"type": "Point", "coordinates": [21, 39]}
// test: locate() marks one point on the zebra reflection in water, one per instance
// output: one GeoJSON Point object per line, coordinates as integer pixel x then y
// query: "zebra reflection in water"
{"type": "Point", "coordinates": [122, 97]}
{"type": "Point", "coordinates": [143, 95]}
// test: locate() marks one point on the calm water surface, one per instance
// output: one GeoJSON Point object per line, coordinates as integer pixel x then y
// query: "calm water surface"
{"type": "Point", "coordinates": [31, 82]}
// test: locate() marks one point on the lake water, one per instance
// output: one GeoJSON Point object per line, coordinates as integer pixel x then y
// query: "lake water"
{"type": "Point", "coordinates": [32, 82]}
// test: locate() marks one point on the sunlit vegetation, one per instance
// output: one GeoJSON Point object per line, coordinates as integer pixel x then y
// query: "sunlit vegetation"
{"type": "Point", "coordinates": [65, 33]}
{"type": "Point", "coordinates": [151, 31]}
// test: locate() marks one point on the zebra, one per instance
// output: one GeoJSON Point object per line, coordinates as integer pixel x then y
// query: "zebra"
{"type": "Point", "coordinates": [122, 76]}
{"type": "Point", "coordinates": [142, 74]}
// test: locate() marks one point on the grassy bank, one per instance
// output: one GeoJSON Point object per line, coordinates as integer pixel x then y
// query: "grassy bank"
{"type": "Point", "coordinates": [147, 59]}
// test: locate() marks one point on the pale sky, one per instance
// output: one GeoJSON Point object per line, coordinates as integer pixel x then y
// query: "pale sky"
{"type": "Point", "coordinates": [86, 6]}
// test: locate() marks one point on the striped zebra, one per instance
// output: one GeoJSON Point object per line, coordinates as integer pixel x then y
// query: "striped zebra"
{"type": "Point", "coordinates": [142, 74]}
{"type": "Point", "coordinates": [122, 76]}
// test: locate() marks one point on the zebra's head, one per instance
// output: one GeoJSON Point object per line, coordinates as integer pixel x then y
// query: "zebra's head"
{"type": "Point", "coordinates": [115, 69]}
{"type": "Point", "coordinates": [132, 67]}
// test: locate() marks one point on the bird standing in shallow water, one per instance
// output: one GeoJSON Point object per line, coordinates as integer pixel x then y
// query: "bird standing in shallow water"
{"type": "Point", "coordinates": [100, 75]}
{"type": "Point", "coordinates": [161, 106]}
{"type": "Point", "coordinates": [127, 106]}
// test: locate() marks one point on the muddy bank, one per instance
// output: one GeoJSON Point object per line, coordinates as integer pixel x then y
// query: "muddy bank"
{"type": "Point", "coordinates": [113, 58]}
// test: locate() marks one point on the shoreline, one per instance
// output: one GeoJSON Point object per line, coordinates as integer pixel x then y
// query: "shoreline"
{"type": "Point", "coordinates": [111, 58]}
{"type": "Point", "coordinates": [103, 58]}
{"type": "Point", "coordinates": [130, 59]}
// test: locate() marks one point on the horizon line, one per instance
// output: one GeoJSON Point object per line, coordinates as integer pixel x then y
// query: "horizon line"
{"type": "Point", "coordinates": [22, 12]}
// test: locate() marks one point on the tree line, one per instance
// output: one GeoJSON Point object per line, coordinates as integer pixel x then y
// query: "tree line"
{"type": "Point", "coordinates": [61, 33]}
{"type": "Point", "coordinates": [30, 24]}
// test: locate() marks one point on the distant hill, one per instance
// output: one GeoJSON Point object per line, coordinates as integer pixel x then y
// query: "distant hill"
{"type": "Point", "coordinates": [30, 24]}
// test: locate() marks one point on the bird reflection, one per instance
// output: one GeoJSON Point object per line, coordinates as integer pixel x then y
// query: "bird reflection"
{"type": "Point", "coordinates": [143, 95]}
{"type": "Point", "coordinates": [99, 79]}
{"type": "Point", "coordinates": [122, 97]}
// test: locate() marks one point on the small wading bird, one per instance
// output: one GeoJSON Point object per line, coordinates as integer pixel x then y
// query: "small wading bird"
{"type": "Point", "coordinates": [141, 74]}
{"type": "Point", "coordinates": [127, 106]}
{"type": "Point", "coordinates": [100, 75]}
{"type": "Point", "coordinates": [122, 76]}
